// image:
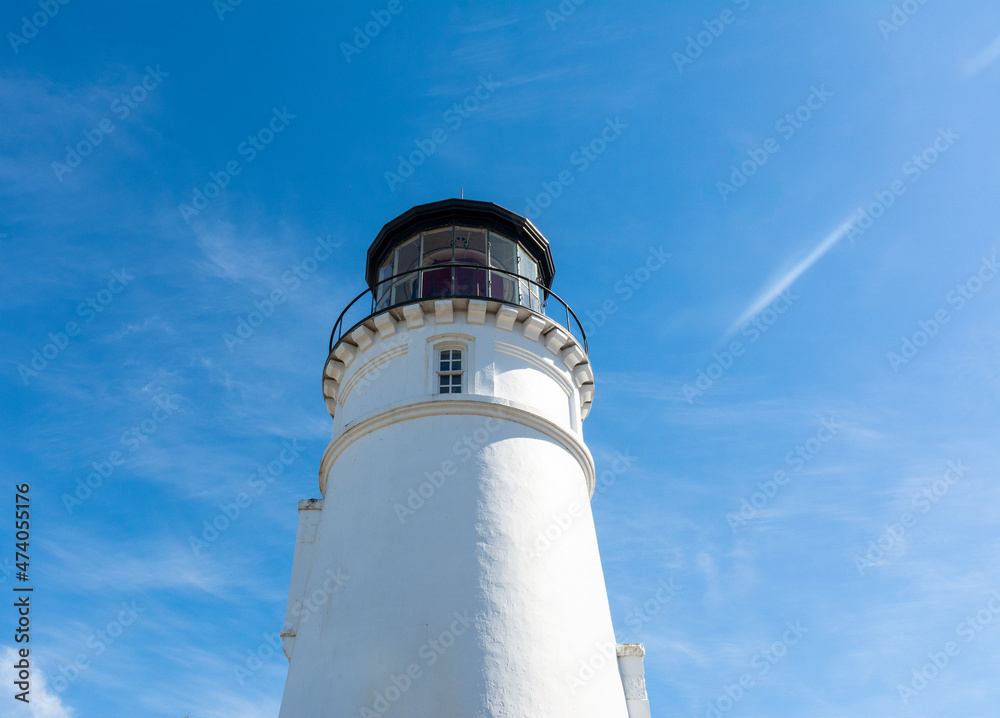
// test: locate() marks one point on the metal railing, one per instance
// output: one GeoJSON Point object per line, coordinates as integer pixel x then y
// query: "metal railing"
{"type": "Point", "coordinates": [538, 294]}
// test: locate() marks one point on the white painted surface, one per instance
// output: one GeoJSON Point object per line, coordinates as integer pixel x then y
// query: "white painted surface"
{"type": "Point", "coordinates": [633, 675]}
{"type": "Point", "coordinates": [461, 525]}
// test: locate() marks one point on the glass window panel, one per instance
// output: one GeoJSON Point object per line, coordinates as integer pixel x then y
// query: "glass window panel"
{"type": "Point", "coordinates": [407, 258]}
{"type": "Point", "coordinates": [526, 266]}
{"type": "Point", "coordinates": [450, 383]}
{"type": "Point", "coordinates": [503, 288]}
{"type": "Point", "coordinates": [382, 293]}
{"type": "Point", "coordinates": [385, 271]}
{"type": "Point", "coordinates": [503, 255]}
{"type": "Point", "coordinates": [405, 288]}
{"type": "Point", "coordinates": [436, 283]}
{"type": "Point", "coordinates": [470, 282]}
{"type": "Point", "coordinates": [408, 255]}
{"type": "Point", "coordinates": [530, 296]}
{"type": "Point", "coordinates": [470, 245]}
{"type": "Point", "coordinates": [437, 246]}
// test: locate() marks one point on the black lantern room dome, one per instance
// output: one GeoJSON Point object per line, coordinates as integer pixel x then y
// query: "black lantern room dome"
{"type": "Point", "coordinates": [459, 248]}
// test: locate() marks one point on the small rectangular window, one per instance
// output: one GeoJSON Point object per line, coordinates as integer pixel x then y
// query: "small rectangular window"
{"type": "Point", "coordinates": [450, 371]}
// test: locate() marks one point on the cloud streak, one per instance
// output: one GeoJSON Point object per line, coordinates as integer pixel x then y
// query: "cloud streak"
{"type": "Point", "coordinates": [984, 59]}
{"type": "Point", "coordinates": [783, 283]}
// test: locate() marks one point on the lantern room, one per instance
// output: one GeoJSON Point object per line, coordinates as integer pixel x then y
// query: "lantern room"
{"type": "Point", "coordinates": [460, 248]}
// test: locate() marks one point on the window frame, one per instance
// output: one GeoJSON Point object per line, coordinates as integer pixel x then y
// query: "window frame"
{"type": "Point", "coordinates": [451, 373]}
{"type": "Point", "coordinates": [450, 342]}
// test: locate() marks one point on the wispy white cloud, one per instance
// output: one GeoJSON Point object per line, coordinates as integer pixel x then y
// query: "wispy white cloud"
{"type": "Point", "coordinates": [984, 59]}
{"type": "Point", "coordinates": [43, 703]}
{"type": "Point", "coordinates": [788, 278]}
{"type": "Point", "coordinates": [157, 564]}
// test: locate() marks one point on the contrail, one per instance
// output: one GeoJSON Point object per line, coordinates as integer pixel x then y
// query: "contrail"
{"type": "Point", "coordinates": [984, 59]}
{"type": "Point", "coordinates": [794, 273]}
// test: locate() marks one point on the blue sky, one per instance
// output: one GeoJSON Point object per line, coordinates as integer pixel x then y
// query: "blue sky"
{"type": "Point", "coordinates": [807, 384]}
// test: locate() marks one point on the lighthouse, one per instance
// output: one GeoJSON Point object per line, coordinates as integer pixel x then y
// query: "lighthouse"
{"type": "Point", "coordinates": [451, 567]}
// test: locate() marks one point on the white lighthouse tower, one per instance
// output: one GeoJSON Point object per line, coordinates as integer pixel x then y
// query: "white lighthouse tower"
{"type": "Point", "coordinates": [451, 569]}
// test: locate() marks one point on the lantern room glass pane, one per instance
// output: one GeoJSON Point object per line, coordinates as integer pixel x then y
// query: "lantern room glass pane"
{"type": "Point", "coordinates": [383, 294]}
{"type": "Point", "coordinates": [470, 246]}
{"type": "Point", "coordinates": [437, 250]}
{"type": "Point", "coordinates": [471, 282]}
{"type": "Point", "coordinates": [406, 287]}
{"type": "Point", "coordinates": [436, 283]}
{"type": "Point", "coordinates": [437, 246]}
{"type": "Point", "coordinates": [527, 268]}
{"type": "Point", "coordinates": [503, 255]}
{"type": "Point", "coordinates": [408, 255]}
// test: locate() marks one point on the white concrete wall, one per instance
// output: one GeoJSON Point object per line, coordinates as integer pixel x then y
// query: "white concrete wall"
{"type": "Point", "coordinates": [462, 530]}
